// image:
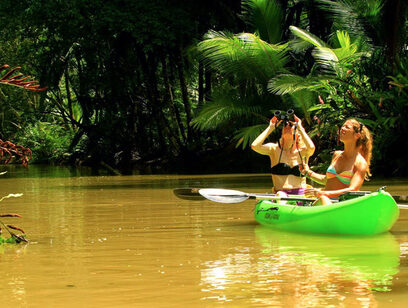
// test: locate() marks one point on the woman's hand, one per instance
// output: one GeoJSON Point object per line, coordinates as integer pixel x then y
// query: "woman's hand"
{"type": "Point", "coordinates": [298, 121]}
{"type": "Point", "coordinates": [317, 192]}
{"type": "Point", "coordinates": [304, 168]}
{"type": "Point", "coordinates": [274, 122]}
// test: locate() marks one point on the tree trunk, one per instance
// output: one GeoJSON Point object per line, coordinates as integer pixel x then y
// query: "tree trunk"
{"type": "Point", "coordinates": [149, 66]}
{"type": "Point", "coordinates": [184, 93]}
{"type": "Point", "coordinates": [169, 98]}
{"type": "Point", "coordinates": [393, 17]}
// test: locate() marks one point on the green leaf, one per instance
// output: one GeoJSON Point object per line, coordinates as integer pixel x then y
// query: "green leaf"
{"type": "Point", "coordinates": [246, 135]}
{"type": "Point", "coordinates": [307, 37]}
{"type": "Point", "coordinates": [288, 83]}
{"type": "Point", "coordinates": [266, 17]}
{"type": "Point", "coordinates": [244, 55]}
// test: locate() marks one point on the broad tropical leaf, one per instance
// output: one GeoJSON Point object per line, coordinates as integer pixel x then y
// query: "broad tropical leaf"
{"type": "Point", "coordinates": [306, 37]}
{"type": "Point", "coordinates": [266, 17]}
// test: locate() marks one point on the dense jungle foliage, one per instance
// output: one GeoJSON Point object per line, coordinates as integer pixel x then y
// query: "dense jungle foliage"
{"type": "Point", "coordinates": [185, 86]}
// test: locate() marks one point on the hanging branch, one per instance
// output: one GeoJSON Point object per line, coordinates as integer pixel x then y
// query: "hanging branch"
{"type": "Point", "coordinates": [11, 77]}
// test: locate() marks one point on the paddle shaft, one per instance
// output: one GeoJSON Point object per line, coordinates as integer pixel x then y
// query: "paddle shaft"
{"type": "Point", "coordinates": [193, 194]}
{"type": "Point", "coordinates": [275, 197]}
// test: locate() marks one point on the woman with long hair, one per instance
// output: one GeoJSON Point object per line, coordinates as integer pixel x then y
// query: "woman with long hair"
{"type": "Point", "coordinates": [349, 168]}
{"type": "Point", "coordinates": [292, 150]}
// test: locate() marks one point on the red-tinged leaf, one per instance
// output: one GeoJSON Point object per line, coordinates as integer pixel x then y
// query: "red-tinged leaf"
{"type": "Point", "coordinates": [26, 83]}
{"type": "Point", "coordinates": [22, 79]}
{"type": "Point", "coordinates": [10, 215]}
{"type": "Point", "coordinates": [16, 76]}
{"type": "Point", "coordinates": [10, 72]}
{"type": "Point", "coordinates": [16, 228]}
{"type": "Point", "coordinates": [40, 90]}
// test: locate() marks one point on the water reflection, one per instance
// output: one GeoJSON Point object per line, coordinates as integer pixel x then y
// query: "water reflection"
{"type": "Point", "coordinates": [305, 270]}
{"type": "Point", "coordinates": [127, 241]}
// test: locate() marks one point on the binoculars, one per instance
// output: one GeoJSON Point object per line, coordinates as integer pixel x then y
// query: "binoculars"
{"type": "Point", "coordinates": [285, 116]}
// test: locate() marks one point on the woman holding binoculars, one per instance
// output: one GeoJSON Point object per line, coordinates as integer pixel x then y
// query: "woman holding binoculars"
{"type": "Point", "coordinates": [291, 151]}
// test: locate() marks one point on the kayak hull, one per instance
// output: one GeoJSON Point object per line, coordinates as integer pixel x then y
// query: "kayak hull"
{"type": "Point", "coordinates": [367, 215]}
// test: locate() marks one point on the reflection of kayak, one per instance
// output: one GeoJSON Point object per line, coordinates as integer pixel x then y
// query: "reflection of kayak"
{"type": "Point", "coordinates": [371, 214]}
{"type": "Point", "coordinates": [366, 257]}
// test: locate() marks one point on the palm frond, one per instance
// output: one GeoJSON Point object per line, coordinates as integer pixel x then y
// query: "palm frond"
{"type": "Point", "coordinates": [243, 55]}
{"type": "Point", "coordinates": [289, 84]}
{"type": "Point", "coordinates": [307, 37]}
{"type": "Point", "coordinates": [229, 107]}
{"type": "Point", "coordinates": [270, 57]}
{"type": "Point", "coordinates": [327, 61]}
{"type": "Point", "coordinates": [246, 135]}
{"type": "Point", "coordinates": [304, 99]}
{"type": "Point", "coordinates": [338, 60]}
{"type": "Point", "coordinates": [343, 38]}
{"type": "Point", "coordinates": [266, 17]}
{"type": "Point", "coordinates": [354, 16]}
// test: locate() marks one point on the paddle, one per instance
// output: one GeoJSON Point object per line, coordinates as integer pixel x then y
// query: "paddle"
{"type": "Point", "coordinates": [228, 196]}
{"type": "Point", "coordinates": [188, 194]}
{"type": "Point", "coordinates": [235, 196]}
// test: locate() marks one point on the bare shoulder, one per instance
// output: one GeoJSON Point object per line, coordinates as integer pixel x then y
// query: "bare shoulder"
{"type": "Point", "coordinates": [267, 148]}
{"type": "Point", "coordinates": [336, 154]}
{"type": "Point", "coordinates": [361, 163]}
{"type": "Point", "coordinates": [273, 147]}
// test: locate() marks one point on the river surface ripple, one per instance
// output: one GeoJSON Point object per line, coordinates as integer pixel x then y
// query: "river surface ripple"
{"type": "Point", "coordinates": [127, 241]}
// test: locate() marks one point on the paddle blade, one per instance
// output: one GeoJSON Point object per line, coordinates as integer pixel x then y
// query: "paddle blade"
{"type": "Point", "coordinates": [223, 195]}
{"type": "Point", "coordinates": [188, 194]}
{"type": "Point", "coordinates": [399, 198]}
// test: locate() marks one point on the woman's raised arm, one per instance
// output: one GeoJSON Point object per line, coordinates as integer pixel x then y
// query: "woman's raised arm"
{"type": "Point", "coordinates": [258, 144]}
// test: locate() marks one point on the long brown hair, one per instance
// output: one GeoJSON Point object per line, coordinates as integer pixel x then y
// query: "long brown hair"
{"type": "Point", "coordinates": [365, 141]}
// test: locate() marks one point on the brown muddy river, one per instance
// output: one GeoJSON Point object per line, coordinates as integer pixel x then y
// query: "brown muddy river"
{"type": "Point", "coordinates": [127, 241]}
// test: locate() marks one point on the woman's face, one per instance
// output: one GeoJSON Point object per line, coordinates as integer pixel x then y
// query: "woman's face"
{"type": "Point", "coordinates": [287, 133]}
{"type": "Point", "coordinates": [347, 132]}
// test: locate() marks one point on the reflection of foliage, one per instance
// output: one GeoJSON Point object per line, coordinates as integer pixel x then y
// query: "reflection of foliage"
{"type": "Point", "coordinates": [14, 238]}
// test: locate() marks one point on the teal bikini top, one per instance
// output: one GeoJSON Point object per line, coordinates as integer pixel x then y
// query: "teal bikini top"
{"type": "Point", "coordinates": [344, 177]}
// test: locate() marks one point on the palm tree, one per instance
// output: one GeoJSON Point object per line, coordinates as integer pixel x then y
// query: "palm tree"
{"type": "Point", "coordinates": [245, 62]}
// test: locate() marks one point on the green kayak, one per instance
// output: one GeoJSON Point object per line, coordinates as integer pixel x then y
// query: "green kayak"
{"type": "Point", "coordinates": [370, 214]}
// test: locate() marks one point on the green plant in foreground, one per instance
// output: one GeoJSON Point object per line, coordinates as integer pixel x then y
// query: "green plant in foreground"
{"type": "Point", "coordinates": [14, 238]}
